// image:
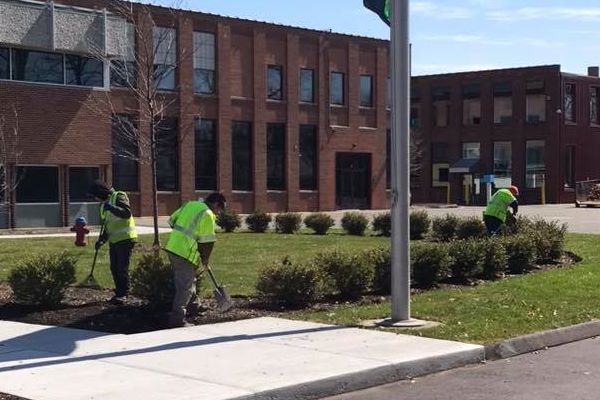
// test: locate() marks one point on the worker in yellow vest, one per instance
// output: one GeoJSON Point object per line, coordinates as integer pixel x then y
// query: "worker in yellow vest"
{"type": "Point", "coordinates": [191, 243]}
{"type": "Point", "coordinates": [119, 231]}
{"type": "Point", "coordinates": [496, 211]}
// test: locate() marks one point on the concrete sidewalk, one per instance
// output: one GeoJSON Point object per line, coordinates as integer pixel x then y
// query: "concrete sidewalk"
{"type": "Point", "coordinates": [263, 358]}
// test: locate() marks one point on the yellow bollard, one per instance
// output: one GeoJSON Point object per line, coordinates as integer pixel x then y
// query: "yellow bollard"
{"type": "Point", "coordinates": [448, 193]}
{"type": "Point", "coordinates": [543, 188]}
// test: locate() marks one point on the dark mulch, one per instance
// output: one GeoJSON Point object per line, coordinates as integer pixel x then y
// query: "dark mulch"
{"type": "Point", "coordinates": [10, 397]}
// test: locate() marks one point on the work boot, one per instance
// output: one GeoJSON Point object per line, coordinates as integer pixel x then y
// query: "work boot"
{"type": "Point", "coordinates": [193, 309]}
{"type": "Point", "coordinates": [117, 300]}
{"type": "Point", "coordinates": [175, 322]}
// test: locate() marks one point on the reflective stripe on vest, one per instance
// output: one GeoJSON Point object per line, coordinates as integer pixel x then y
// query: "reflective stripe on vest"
{"type": "Point", "coordinates": [183, 240]}
{"type": "Point", "coordinates": [117, 229]}
{"type": "Point", "coordinates": [189, 231]}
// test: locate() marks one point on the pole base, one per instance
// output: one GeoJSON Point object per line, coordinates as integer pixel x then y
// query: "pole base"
{"type": "Point", "coordinates": [391, 323]}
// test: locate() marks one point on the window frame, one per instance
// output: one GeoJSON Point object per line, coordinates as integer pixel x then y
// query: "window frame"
{"type": "Point", "coordinates": [248, 155]}
{"type": "Point", "coordinates": [312, 86]}
{"type": "Point", "coordinates": [276, 162]}
{"type": "Point", "coordinates": [365, 100]}
{"type": "Point", "coordinates": [308, 149]}
{"type": "Point", "coordinates": [275, 76]}
{"type": "Point", "coordinates": [202, 148]}
{"type": "Point", "coordinates": [334, 101]}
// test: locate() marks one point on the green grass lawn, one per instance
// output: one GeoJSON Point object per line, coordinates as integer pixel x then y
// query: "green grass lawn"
{"type": "Point", "coordinates": [502, 309]}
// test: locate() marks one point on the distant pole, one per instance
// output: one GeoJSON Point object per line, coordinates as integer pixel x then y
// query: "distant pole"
{"type": "Point", "coordinates": [400, 160]}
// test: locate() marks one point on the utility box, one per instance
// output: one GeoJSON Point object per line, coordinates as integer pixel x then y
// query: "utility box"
{"type": "Point", "coordinates": [587, 193]}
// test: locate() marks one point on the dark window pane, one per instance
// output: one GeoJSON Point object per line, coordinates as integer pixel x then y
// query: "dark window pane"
{"type": "Point", "coordinates": [80, 180]}
{"type": "Point", "coordinates": [166, 156]}
{"type": "Point", "coordinates": [37, 185]}
{"type": "Point", "coordinates": [4, 63]}
{"type": "Point", "coordinates": [502, 89]}
{"type": "Point", "coordinates": [414, 117]}
{"type": "Point", "coordinates": [308, 157]}
{"type": "Point", "coordinates": [336, 88]}
{"type": "Point", "coordinates": [164, 77]}
{"type": "Point", "coordinates": [84, 71]}
{"type": "Point", "coordinates": [366, 91]}
{"type": "Point", "coordinates": [439, 152]}
{"type": "Point", "coordinates": [535, 86]}
{"type": "Point", "coordinates": [570, 167]}
{"type": "Point", "coordinates": [307, 86]}
{"type": "Point", "coordinates": [37, 66]}
{"type": "Point", "coordinates": [274, 82]}
{"type": "Point", "coordinates": [122, 74]}
{"type": "Point", "coordinates": [595, 105]}
{"type": "Point", "coordinates": [440, 93]}
{"type": "Point", "coordinates": [124, 154]}
{"type": "Point", "coordinates": [471, 91]}
{"type": "Point", "coordinates": [204, 81]}
{"type": "Point", "coordinates": [275, 157]}
{"type": "Point", "coordinates": [241, 156]}
{"type": "Point", "coordinates": [570, 98]}
{"type": "Point", "coordinates": [206, 154]}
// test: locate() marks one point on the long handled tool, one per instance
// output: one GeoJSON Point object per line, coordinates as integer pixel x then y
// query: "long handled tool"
{"type": "Point", "coordinates": [91, 281]}
{"type": "Point", "coordinates": [224, 302]}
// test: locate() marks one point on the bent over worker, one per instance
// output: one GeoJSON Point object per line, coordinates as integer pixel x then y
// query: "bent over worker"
{"type": "Point", "coordinates": [119, 231]}
{"type": "Point", "coordinates": [190, 244]}
{"type": "Point", "coordinates": [496, 211]}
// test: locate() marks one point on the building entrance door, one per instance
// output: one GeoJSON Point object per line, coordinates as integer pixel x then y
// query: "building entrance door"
{"type": "Point", "coordinates": [352, 180]}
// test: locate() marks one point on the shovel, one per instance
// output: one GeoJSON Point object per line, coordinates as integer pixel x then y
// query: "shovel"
{"type": "Point", "coordinates": [90, 281]}
{"type": "Point", "coordinates": [224, 302]}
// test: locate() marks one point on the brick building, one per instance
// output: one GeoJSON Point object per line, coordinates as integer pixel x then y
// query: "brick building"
{"type": "Point", "coordinates": [277, 118]}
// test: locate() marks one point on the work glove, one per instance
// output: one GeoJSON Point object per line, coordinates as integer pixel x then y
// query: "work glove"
{"type": "Point", "coordinates": [108, 207]}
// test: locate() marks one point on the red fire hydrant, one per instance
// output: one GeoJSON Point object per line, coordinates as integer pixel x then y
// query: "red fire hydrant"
{"type": "Point", "coordinates": [80, 231]}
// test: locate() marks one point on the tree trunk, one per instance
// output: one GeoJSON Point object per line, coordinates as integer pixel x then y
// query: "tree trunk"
{"type": "Point", "coordinates": [156, 243]}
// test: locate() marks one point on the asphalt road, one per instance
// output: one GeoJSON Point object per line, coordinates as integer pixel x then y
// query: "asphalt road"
{"type": "Point", "coordinates": [568, 372]}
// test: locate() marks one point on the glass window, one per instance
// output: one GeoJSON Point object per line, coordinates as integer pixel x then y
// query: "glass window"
{"type": "Point", "coordinates": [37, 66]}
{"type": "Point", "coordinates": [167, 166]}
{"type": "Point", "coordinates": [80, 180]}
{"type": "Point", "coordinates": [122, 74]}
{"type": "Point", "coordinates": [275, 157]}
{"type": "Point", "coordinates": [275, 82]}
{"type": "Point", "coordinates": [535, 101]}
{"type": "Point", "coordinates": [241, 156]}
{"type": "Point", "coordinates": [84, 71]}
{"type": "Point", "coordinates": [440, 174]}
{"type": "Point", "coordinates": [366, 91]}
{"type": "Point", "coordinates": [535, 168]}
{"type": "Point", "coordinates": [206, 154]}
{"type": "Point", "coordinates": [204, 63]}
{"type": "Point", "coordinates": [37, 185]}
{"type": "Point", "coordinates": [124, 153]}
{"type": "Point", "coordinates": [307, 85]}
{"type": "Point", "coordinates": [570, 167]}
{"type": "Point", "coordinates": [336, 88]}
{"type": "Point", "coordinates": [471, 105]}
{"type": "Point", "coordinates": [503, 103]}
{"type": "Point", "coordinates": [471, 150]}
{"type": "Point", "coordinates": [503, 159]}
{"type": "Point", "coordinates": [308, 157]}
{"type": "Point", "coordinates": [595, 105]}
{"type": "Point", "coordinates": [4, 63]}
{"type": "Point", "coordinates": [570, 103]}
{"type": "Point", "coordinates": [441, 106]}
{"type": "Point", "coordinates": [165, 57]}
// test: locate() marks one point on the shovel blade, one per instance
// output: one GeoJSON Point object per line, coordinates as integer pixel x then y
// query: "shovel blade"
{"type": "Point", "coordinates": [224, 302]}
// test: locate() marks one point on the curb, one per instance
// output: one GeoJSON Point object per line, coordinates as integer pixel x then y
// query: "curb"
{"type": "Point", "coordinates": [542, 340]}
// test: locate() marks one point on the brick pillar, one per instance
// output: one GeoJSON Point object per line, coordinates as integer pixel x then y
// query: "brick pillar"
{"type": "Point", "coordinates": [223, 44]}
{"type": "Point", "coordinates": [292, 127]}
{"type": "Point", "coordinates": [352, 83]}
{"type": "Point", "coordinates": [378, 159]}
{"type": "Point", "coordinates": [326, 157]}
{"type": "Point", "coordinates": [259, 135]}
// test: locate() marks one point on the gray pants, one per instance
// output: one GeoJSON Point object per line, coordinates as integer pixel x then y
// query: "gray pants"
{"type": "Point", "coordinates": [184, 277]}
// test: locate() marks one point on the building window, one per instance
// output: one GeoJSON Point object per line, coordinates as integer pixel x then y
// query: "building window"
{"type": "Point", "coordinates": [366, 91]}
{"type": "Point", "coordinates": [84, 71]}
{"type": "Point", "coordinates": [122, 74]}
{"type": "Point", "coordinates": [241, 156]}
{"type": "Point", "coordinates": [471, 150]}
{"type": "Point", "coordinates": [37, 185]}
{"type": "Point", "coordinates": [440, 168]}
{"type": "Point", "coordinates": [570, 103]}
{"type": "Point", "coordinates": [205, 132]}
{"type": "Point", "coordinates": [307, 85]}
{"type": "Point", "coordinates": [471, 105]}
{"type": "Point", "coordinates": [308, 157]}
{"type": "Point", "coordinates": [570, 167]}
{"type": "Point", "coordinates": [275, 157]}
{"type": "Point", "coordinates": [165, 57]}
{"type": "Point", "coordinates": [124, 154]}
{"type": "Point", "coordinates": [4, 63]}
{"type": "Point", "coordinates": [167, 165]}
{"type": "Point", "coordinates": [336, 88]}
{"type": "Point", "coordinates": [415, 121]}
{"type": "Point", "coordinates": [37, 66]}
{"type": "Point", "coordinates": [503, 159]}
{"type": "Point", "coordinates": [595, 105]}
{"type": "Point", "coordinates": [275, 82]}
{"type": "Point", "coordinates": [204, 63]}
{"type": "Point", "coordinates": [80, 180]}
{"type": "Point", "coordinates": [441, 106]}
{"type": "Point", "coordinates": [535, 165]}
{"type": "Point", "coordinates": [535, 101]}
{"type": "Point", "coordinates": [503, 103]}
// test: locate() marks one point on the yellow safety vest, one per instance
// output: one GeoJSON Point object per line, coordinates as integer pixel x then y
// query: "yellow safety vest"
{"type": "Point", "coordinates": [117, 229]}
{"type": "Point", "coordinates": [498, 205]}
{"type": "Point", "coordinates": [192, 223]}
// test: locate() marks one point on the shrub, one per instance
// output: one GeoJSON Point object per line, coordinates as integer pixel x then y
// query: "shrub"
{"type": "Point", "coordinates": [319, 222]}
{"type": "Point", "coordinates": [419, 224]}
{"type": "Point", "coordinates": [468, 257]}
{"type": "Point", "coordinates": [348, 275]}
{"type": "Point", "coordinates": [496, 259]}
{"type": "Point", "coordinates": [354, 223]}
{"type": "Point", "coordinates": [520, 251]}
{"type": "Point", "coordinates": [42, 280]}
{"type": "Point", "coordinates": [288, 222]}
{"type": "Point", "coordinates": [289, 283]}
{"type": "Point", "coordinates": [430, 263]}
{"type": "Point", "coordinates": [515, 226]}
{"type": "Point", "coordinates": [382, 223]}
{"type": "Point", "coordinates": [444, 228]}
{"type": "Point", "coordinates": [549, 240]}
{"type": "Point", "coordinates": [470, 228]}
{"type": "Point", "coordinates": [229, 221]}
{"type": "Point", "coordinates": [380, 260]}
{"type": "Point", "coordinates": [258, 221]}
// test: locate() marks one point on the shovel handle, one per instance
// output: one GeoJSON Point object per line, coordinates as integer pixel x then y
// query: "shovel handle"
{"type": "Point", "coordinates": [212, 277]}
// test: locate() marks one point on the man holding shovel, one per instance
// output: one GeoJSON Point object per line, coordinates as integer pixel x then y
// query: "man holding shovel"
{"type": "Point", "coordinates": [190, 244]}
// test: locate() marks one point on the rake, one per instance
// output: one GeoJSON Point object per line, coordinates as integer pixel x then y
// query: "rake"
{"type": "Point", "coordinates": [90, 281]}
